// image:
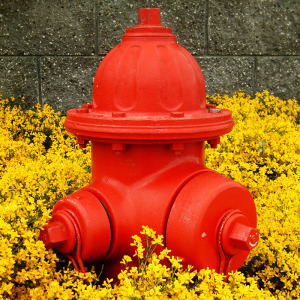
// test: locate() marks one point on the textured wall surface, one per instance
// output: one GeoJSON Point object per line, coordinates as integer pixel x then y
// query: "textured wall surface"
{"type": "Point", "coordinates": [50, 50]}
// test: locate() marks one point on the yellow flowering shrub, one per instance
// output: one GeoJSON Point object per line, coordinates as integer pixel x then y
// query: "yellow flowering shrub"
{"type": "Point", "coordinates": [262, 153]}
{"type": "Point", "coordinates": [40, 163]}
{"type": "Point", "coordinates": [152, 279]}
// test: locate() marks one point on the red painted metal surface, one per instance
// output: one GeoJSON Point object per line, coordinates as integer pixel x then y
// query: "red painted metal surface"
{"type": "Point", "coordinates": [148, 124]}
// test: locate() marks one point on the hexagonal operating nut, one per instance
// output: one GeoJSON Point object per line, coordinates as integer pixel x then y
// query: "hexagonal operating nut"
{"type": "Point", "coordinates": [244, 237]}
{"type": "Point", "coordinates": [53, 235]}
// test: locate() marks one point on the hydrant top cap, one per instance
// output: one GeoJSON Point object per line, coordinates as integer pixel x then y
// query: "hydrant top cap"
{"type": "Point", "coordinates": [149, 16]}
{"type": "Point", "coordinates": [149, 23]}
{"type": "Point", "coordinates": [149, 89]}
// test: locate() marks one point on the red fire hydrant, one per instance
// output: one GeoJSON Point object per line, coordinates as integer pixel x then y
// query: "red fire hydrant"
{"type": "Point", "coordinates": [148, 124]}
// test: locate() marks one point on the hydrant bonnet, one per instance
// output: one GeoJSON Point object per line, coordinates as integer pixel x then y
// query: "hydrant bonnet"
{"type": "Point", "coordinates": [148, 88]}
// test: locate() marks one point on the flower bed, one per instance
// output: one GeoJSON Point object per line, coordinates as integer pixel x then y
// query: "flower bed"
{"type": "Point", "coordinates": [41, 162]}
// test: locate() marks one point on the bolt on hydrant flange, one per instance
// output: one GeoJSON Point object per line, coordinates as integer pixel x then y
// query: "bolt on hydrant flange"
{"type": "Point", "coordinates": [148, 125]}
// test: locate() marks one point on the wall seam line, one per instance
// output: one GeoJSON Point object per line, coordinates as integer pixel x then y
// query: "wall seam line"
{"type": "Point", "coordinates": [255, 76]}
{"type": "Point", "coordinates": [39, 81]}
{"type": "Point", "coordinates": [206, 27]}
{"type": "Point", "coordinates": [96, 28]}
{"type": "Point", "coordinates": [212, 55]}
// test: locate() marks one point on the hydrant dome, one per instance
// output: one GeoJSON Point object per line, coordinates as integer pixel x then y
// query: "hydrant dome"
{"type": "Point", "coordinates": [156, 77]}
{"type": "Point", "coordinates": [148, 88]}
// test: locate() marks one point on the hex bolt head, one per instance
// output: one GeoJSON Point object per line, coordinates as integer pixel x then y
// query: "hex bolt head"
{"type": "Point", "coordinates": [82, 142]}
{"type": "Point", "coordinates": [87, 106]}
{"type": "Point", "coordinates": [244, 237]}
{"type": "Point", "coordinates": [214, 142]}
{"type": "Point", "coordinates": [53, 235]}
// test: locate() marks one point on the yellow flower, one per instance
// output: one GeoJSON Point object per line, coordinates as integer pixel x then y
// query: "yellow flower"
{"type": "Point", "coordinates": [126, 259]}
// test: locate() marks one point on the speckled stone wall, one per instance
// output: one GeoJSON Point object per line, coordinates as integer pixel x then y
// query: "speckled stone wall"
{"type": "Point", "coordinates": [50, 50]}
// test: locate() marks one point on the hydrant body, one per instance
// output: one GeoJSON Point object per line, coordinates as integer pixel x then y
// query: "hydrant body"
{"type": "Point", "coordinates": [148, 124]}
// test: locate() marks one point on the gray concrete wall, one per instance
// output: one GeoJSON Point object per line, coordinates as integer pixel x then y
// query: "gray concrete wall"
{"type": "Point", "coordinates": [50, 49]}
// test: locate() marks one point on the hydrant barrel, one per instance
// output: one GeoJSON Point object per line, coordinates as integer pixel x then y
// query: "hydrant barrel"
{"type": "Point", "coordinates": [148, 124]}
